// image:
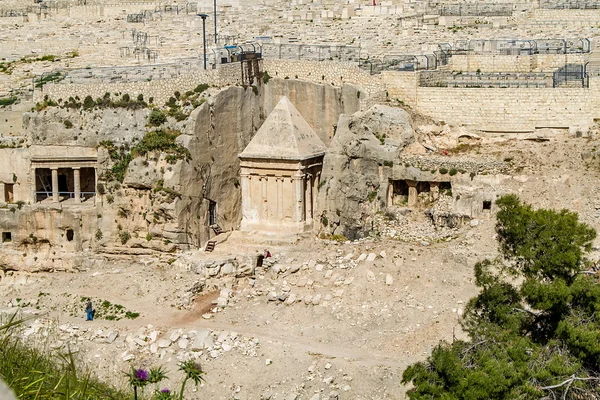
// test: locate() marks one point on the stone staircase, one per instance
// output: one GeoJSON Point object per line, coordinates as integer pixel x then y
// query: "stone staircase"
{"type": "Point", "coordinates": [217, 229]}
{"type": "Point", "coordinates": [210, 246]}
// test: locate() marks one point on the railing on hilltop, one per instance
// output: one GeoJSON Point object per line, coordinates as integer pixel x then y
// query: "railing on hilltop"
{"type": "Point", "coordinates": [569, 4]}
{"type": "Point", "coordinates": [476, 9]}
{"type": "Point", "coordinates": [570, 76]}
{"type": "Point", "coordinates": [311, 52]}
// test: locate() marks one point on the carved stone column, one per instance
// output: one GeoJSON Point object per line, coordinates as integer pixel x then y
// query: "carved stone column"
{"type": "Point", "coordinates": [390, 194]}
{"type": "Point", "coordinates": [435, 190]}
{"type": "Point", "coordinates": [298, 180]}
{"type": "Point", "coordinates": [77, 185]}
{"type": "Point", "coordinates": [280, 198]}
{"type": "Point", "coordinates": [264, 181]}
{"type": "Point", "coordinates": [412, 193]}
{"type": "Point", "coordinates": [308, 199]}
{"type": "Point", "coordinates": [245, 177]}
{"type": "Point", "coordinates": [55, 197]}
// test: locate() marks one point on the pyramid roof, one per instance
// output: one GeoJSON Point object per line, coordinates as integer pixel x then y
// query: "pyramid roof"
{"type": "Point", "coordinates": [285, 135]}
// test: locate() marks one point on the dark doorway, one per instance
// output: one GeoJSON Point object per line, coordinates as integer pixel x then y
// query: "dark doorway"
{"type": "Point", "coordinates": [259, 261]}
{"type": "Point", "coordinates": [487, 205]}
{"type": "Point", "coordinates": [9, 196]}
{"type": "Point", "coordinates": [62, 184]}
{"type": "Point", "coordinates": [212, 213]}
{"type": "Point", "coordinates": [70, 235]}
{"type": "Point", "coordinates": [6, 237]}
{"type": "Point", "coordinates": [43, 183]}
{"type": "Point", "coordinates": [400, 188]}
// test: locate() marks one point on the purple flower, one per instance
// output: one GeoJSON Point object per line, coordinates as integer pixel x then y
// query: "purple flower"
{"type": "Point", "coordinates": [141, 374]}
{"type": "Point", "coordinates": [165, 391]}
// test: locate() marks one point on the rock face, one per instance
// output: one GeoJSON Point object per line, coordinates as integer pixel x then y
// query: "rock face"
{"type": "Point", "coordinates": [358, 165]}
{"type": "Point", "coordinates": [164, 202]}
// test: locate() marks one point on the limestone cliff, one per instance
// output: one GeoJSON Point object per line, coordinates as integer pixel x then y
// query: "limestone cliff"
{"type": "Point", "coordinates": [358, 165]}
{"type": "Point", "coordinates": [148, 197]}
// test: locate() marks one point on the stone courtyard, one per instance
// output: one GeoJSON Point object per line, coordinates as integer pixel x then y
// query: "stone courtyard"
{"type": "Point", "coordinates": [309, 204]}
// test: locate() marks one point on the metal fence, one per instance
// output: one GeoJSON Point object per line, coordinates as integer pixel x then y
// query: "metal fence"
{"type": "Point", "coordinates": [316, 52]}
{"type": "Point", "coordinates": [571, 75]}
{"type": "Point", "coordinates": [570, 4]}
{"type": "Point", "coordinates": [476, 9]}
{"type": "Point", "coordinates": [522, 46]}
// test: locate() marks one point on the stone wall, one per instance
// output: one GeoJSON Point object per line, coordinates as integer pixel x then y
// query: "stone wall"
{"type": "Point", "coordinates": [335, 73]}
{"type": "Point", "coordinates": [401, 85]}
{"type": "Point", "coordinates": [160, 89]}
{"type": "Point", "coordinates": [510, 109]}
{"type": "Point", "coordinates": [510, 63]}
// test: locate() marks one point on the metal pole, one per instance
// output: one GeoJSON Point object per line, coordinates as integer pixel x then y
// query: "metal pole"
{"type": "Point", "coordinates": [204, 38]}
{"type": "Point", "coordinates": [215, 12]}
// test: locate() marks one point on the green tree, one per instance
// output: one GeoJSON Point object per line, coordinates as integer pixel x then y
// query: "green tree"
{"type": "Point", "coordinates": [534, 330]}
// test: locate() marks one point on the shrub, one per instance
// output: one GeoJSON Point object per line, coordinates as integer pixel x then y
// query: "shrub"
{"type": "Point", "coordinates": [88, 103]}
{"type": "Point", "coordinates": [201, 88]}
{"type": "Point", "coordinates": [7, 101]}
{"type": "Point", "coordinates": [266, 77]}
{"type": "Point", "coordinates": [443, 171]}
{"type": "Point", "coordinates": [372, 195]}
{"type": "Point", "coordinates": [533, 331]}
{"type": "Point", "coordinates": [148, 236]}
{"type": "Point", "coordinates": [157, 118]}
{"type": "Point", "coordinates": [453, 171]}
{"type": "Point", "coordinates": [98, 234]}
{"type": "Point", "coordinates": [68, 124]}
{"type": "Point", "coordinates": [124, 237]}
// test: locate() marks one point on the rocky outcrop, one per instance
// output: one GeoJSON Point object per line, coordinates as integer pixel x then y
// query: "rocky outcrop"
{"type": "Point", "coordinates": [360, 160]}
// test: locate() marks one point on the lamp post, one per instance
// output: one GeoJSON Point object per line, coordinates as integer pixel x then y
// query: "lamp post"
{"type": "Point", "coordinates": [203, 16]}
{"type": "Point", "coordinates": [215, 12]}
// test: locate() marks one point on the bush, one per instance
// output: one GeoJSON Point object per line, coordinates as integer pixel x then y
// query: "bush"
{"type": "Point", "coordinates": [124, 237]}
{"type": "Point", "coordinates": [443, 171]}
{"type": "Point", "coordinates": [266, 77]}
{"type": "Point", "coordinates": [68, 124]}
{"type": "Point", "coordinates": [453, 171]}
{"type": "Point", "coordinates": [157, 118]}
{"type": "Point", "coordinates": [88, 103]}
{"type": "Point", "coordinates": [7, 101]}
{"type": "Point", "coordinates": [533, 328]}
{"type": "Point", "coordinates": [201, 88]}
{"type": "Point", "coordinates": [372, 195]}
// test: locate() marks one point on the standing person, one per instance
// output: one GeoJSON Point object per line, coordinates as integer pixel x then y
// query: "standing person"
{"type": "Point", "coordinates": [89, 310]}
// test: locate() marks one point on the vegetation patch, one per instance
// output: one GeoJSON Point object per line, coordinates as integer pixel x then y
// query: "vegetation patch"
{"type": "Point", "coordinates": [533, 328]}
{"type": "Point", "coordinates": [7, 101]}
{"type": "Point", "coordinates": [36, 372]}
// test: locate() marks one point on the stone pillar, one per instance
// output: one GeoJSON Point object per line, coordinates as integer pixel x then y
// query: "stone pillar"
{"type": "Point", "coordinates": [95, 184]}
{"type": "Point", "coordinates": [264, 180]}
{"type": "Point", "coordinates": [412, 193]}
{"type": "Point", "coordinates": [55, 197]}
{"type": "Point", "coordinates": [435, 190]}
{"type": "Point", "coordinates": [2, 193]}
{"type": "Point", "coordinates": [390, 194]}
{"type": "Point", "coordinates": [315, 184]}
{"type": "Point", "coordinates": [77, 185]}
{"type": "Point", "coordinates": [280, 198]}
{"type": "Point", "coordinates": [245, 193]}
{"type": "Point", "coordinates": [299, 197]}
{"type": "Point", "coordinates": [308, 198]}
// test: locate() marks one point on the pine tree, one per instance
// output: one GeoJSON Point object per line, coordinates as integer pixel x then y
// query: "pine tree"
{"type": "Point", "coordinates": [537, 338]}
